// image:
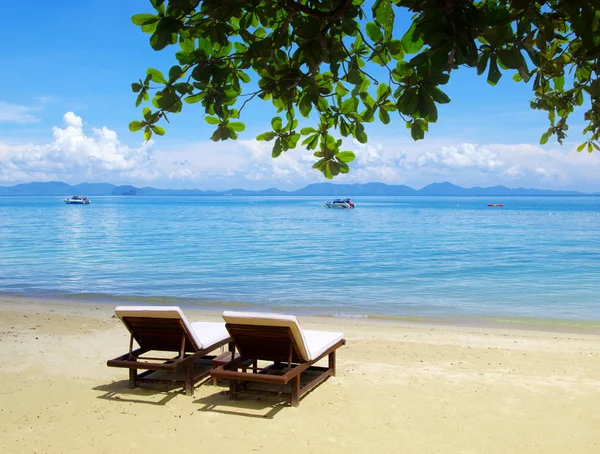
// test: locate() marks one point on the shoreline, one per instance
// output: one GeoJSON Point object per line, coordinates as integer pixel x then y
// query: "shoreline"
{"type": "Point", "coordinates": [217, 307]}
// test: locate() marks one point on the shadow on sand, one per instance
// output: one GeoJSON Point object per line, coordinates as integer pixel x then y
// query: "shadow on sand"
{"type": "Point", "coordinates": [248, 406]}
{"type": "Point", "coordinates": [119, 391]}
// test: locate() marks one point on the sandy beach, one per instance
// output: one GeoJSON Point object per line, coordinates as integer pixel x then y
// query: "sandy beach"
{"type": "Point", "coordinates": [401, 387]}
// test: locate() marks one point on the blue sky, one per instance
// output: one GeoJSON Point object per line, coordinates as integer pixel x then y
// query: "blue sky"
{"type": "Point", "coordinates": [66, 104]}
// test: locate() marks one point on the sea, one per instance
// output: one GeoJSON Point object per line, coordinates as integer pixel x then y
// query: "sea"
{"type": "Point", "coordinates": [534, 260]}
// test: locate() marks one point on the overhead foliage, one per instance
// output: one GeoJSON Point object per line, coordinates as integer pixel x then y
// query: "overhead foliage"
{"type": "Point", "coordinates": [316, 59]}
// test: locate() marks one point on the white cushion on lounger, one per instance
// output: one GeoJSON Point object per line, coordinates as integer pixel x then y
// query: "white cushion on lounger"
{"type": "Point", "coordinates": [203, 334]}
{"type": "Point", "coordinates": [319, 341]}
{"type": "Point", "coordinates": [209, 333]}
{"type": "Point", "coordinates": [309, 350]}
{"type": "Point", "coordinates": [149, 311]}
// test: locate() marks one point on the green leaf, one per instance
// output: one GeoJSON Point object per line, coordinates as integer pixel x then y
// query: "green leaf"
{"type": "Point", "coordinates": [544, 138]}
{"type": "Point", "coordinates": [237, 126]}
{"type": "Point", "coordinates": [243, 76]}
{"type": "Point", "coordinates": [205, 47]}
{"type": "Point", "coordinates": [334, 168]}
{"type": "Point", "coordinates": [212, 120]}
{"type": "Point", "coordinates": [266, 136]}
{"type": "Point", "coordinates": [374, 32]}
{"type": "Point", "coordinates": [340, 90]}
{"type": "Point", "coordinates": [384, 15]}
{"type": "Point", "coordinates": [135, 87]}
{"type": "Point", "coordinates": [408, 102]}
{"type": "Point", "coordinates": [579, 148]}
{"type": "Point", "coordinates": [383, 91]}
{"type": "Point", "coordinates": [360, 134]}
{"type": "Point", "coordinates": [221, 133]}
{"type": "Point", "coordinates": [276, 124]}
{"type": "Point", "coordinates": [187, 45]}
{"type": "Point", "coordinates": [158, 5]}
{"type": "Point", "coordinates": [427, 107]}
{"type": "Point", "coordinates": [417, 129]}
{"type": "Point", "coordinates": [136, 126]}
{"type": "Point", "coordinates": [158, 130]}
{"type": "Point", "coordinates": [147, 113]}
{"type": "Point", "coordinates": [144, 19]}
{"type": "Point", "coordinates": [156, 76]}
{"type": "Point", "coordinates": [482, 63]}
{"type": "Point", "coordinates": [343, 167]}
{"type": "Point", "coordinates": [384, 116]}
{"type": "Point", "coordinates": [277, 148]}
{"type": "Point", "coordinates": [175, 73]}
{"type": "Point", "coordinates": [192, 99]}
{"type": "Point", "coordinates": [511, 58]}
{"type": "Point", "coordinates": [307, 131]}
{"type": "Point", "coordinates": [143, 96]}
{"type": "Point", "coordinates": [494, 73]}
{"type": "Point", "coordinates": [345, 156]}
{"type": "Point", "coordinates": [147, 133]}
{"type": "Point", "coordinates": [327, 170]}
{"type": "Point", "coordinates": [320, 163]}
{"type": "Point", "coordinates": [311, 142]}
{"type": "Point", "coordinates": [412, 40]}
{"type": "Point", "coordinates": [304, 105]}
{"type": "Point", "coordinates": [350, 105]}
{"type": "Point", "coordinates": [396, 49]}
{"type": "Point", "coordinates": [559, 83]}
{"type": "Point", "coordinates": [439, 96]}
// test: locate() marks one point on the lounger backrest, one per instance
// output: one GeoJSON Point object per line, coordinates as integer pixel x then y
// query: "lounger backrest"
{"type": "Point", "coordinates": [159, 327]}
{"type": "Point", "coordinates": [267, 336]}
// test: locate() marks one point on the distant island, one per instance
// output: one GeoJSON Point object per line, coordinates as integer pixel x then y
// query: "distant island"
{"type": "Point", "coordinates": [53, 188]}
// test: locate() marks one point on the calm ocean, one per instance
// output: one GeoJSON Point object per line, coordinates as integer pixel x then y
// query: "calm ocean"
{"type": "Point", "coordinates": [431, 257]}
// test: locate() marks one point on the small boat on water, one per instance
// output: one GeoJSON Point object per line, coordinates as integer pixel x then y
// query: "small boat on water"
{"type": "Point", "coordinates": [495, 204]}
{"type": "Point", "coordinates": [340, 203]}
{"type": "Point", "coordinates": [77, 200]}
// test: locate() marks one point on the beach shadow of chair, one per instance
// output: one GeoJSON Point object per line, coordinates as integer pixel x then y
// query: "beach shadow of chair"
{"type": "Point", "coordinates": [164, 330]}
{"type": "Point", "coordinates": [248, 408]}
{"type": "Point", "coordinates": [289, 351]}
{"type": "Point", "coordinates": [118, 392]}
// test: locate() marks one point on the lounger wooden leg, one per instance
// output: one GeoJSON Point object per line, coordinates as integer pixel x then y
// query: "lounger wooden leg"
{"type": "Point", "coordinates": [295, 395]}
{"type": "Point", "coordinates": [232, 389]}
{"type": "Point", "coordinates": [332, 363]}
{"type": "Point", "coordinates": [189, 380]}
{"type": "Point", "coordinates": [132, 378]}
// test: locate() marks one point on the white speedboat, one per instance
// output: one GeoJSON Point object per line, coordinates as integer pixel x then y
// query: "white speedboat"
{"type": "Point", "coordinates": [77, 200]}
{"type": "Point", "coordinates": [340, 203]}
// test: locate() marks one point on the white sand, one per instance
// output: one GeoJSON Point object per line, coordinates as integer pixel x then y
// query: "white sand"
{"type": "Point", "coordinates": [401, 387]}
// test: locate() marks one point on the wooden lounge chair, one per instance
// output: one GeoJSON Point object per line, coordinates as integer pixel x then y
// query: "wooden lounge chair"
{"type": "Point", "coordinates": [278, 339]}
{"type": "Point", "coordinates": [166, 329]}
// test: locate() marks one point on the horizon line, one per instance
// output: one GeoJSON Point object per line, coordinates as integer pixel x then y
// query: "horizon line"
{"type": "Point", "coordinates": [304, 187]}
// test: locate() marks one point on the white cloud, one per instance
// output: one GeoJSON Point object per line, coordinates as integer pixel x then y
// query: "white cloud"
{"type": "Point", "coordinates": [14, 113]}
{"type": "Point", "coordinates": [462, 156]}
{"type": "Point", "coordinates": [77, 153]}
{"type": "Point", "coordinates": [73, 154]}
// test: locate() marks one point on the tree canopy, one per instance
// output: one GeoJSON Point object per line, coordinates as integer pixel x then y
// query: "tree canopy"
{"type": "Point", "coordinates": [317, 58]}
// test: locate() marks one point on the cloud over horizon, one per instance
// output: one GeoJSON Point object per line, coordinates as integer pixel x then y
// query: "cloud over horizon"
{"type": "Point", "coordinates": [77, 153]}
{"type": "Point", "coordinates": [15, 113]}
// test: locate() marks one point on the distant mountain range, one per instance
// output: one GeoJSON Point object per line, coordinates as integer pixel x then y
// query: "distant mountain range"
{"type": "Point", "coordinates": [53, 188]}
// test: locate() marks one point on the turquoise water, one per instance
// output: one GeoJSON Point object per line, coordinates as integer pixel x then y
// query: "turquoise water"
{"type": "Point", "coordinates": [401, 256]}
